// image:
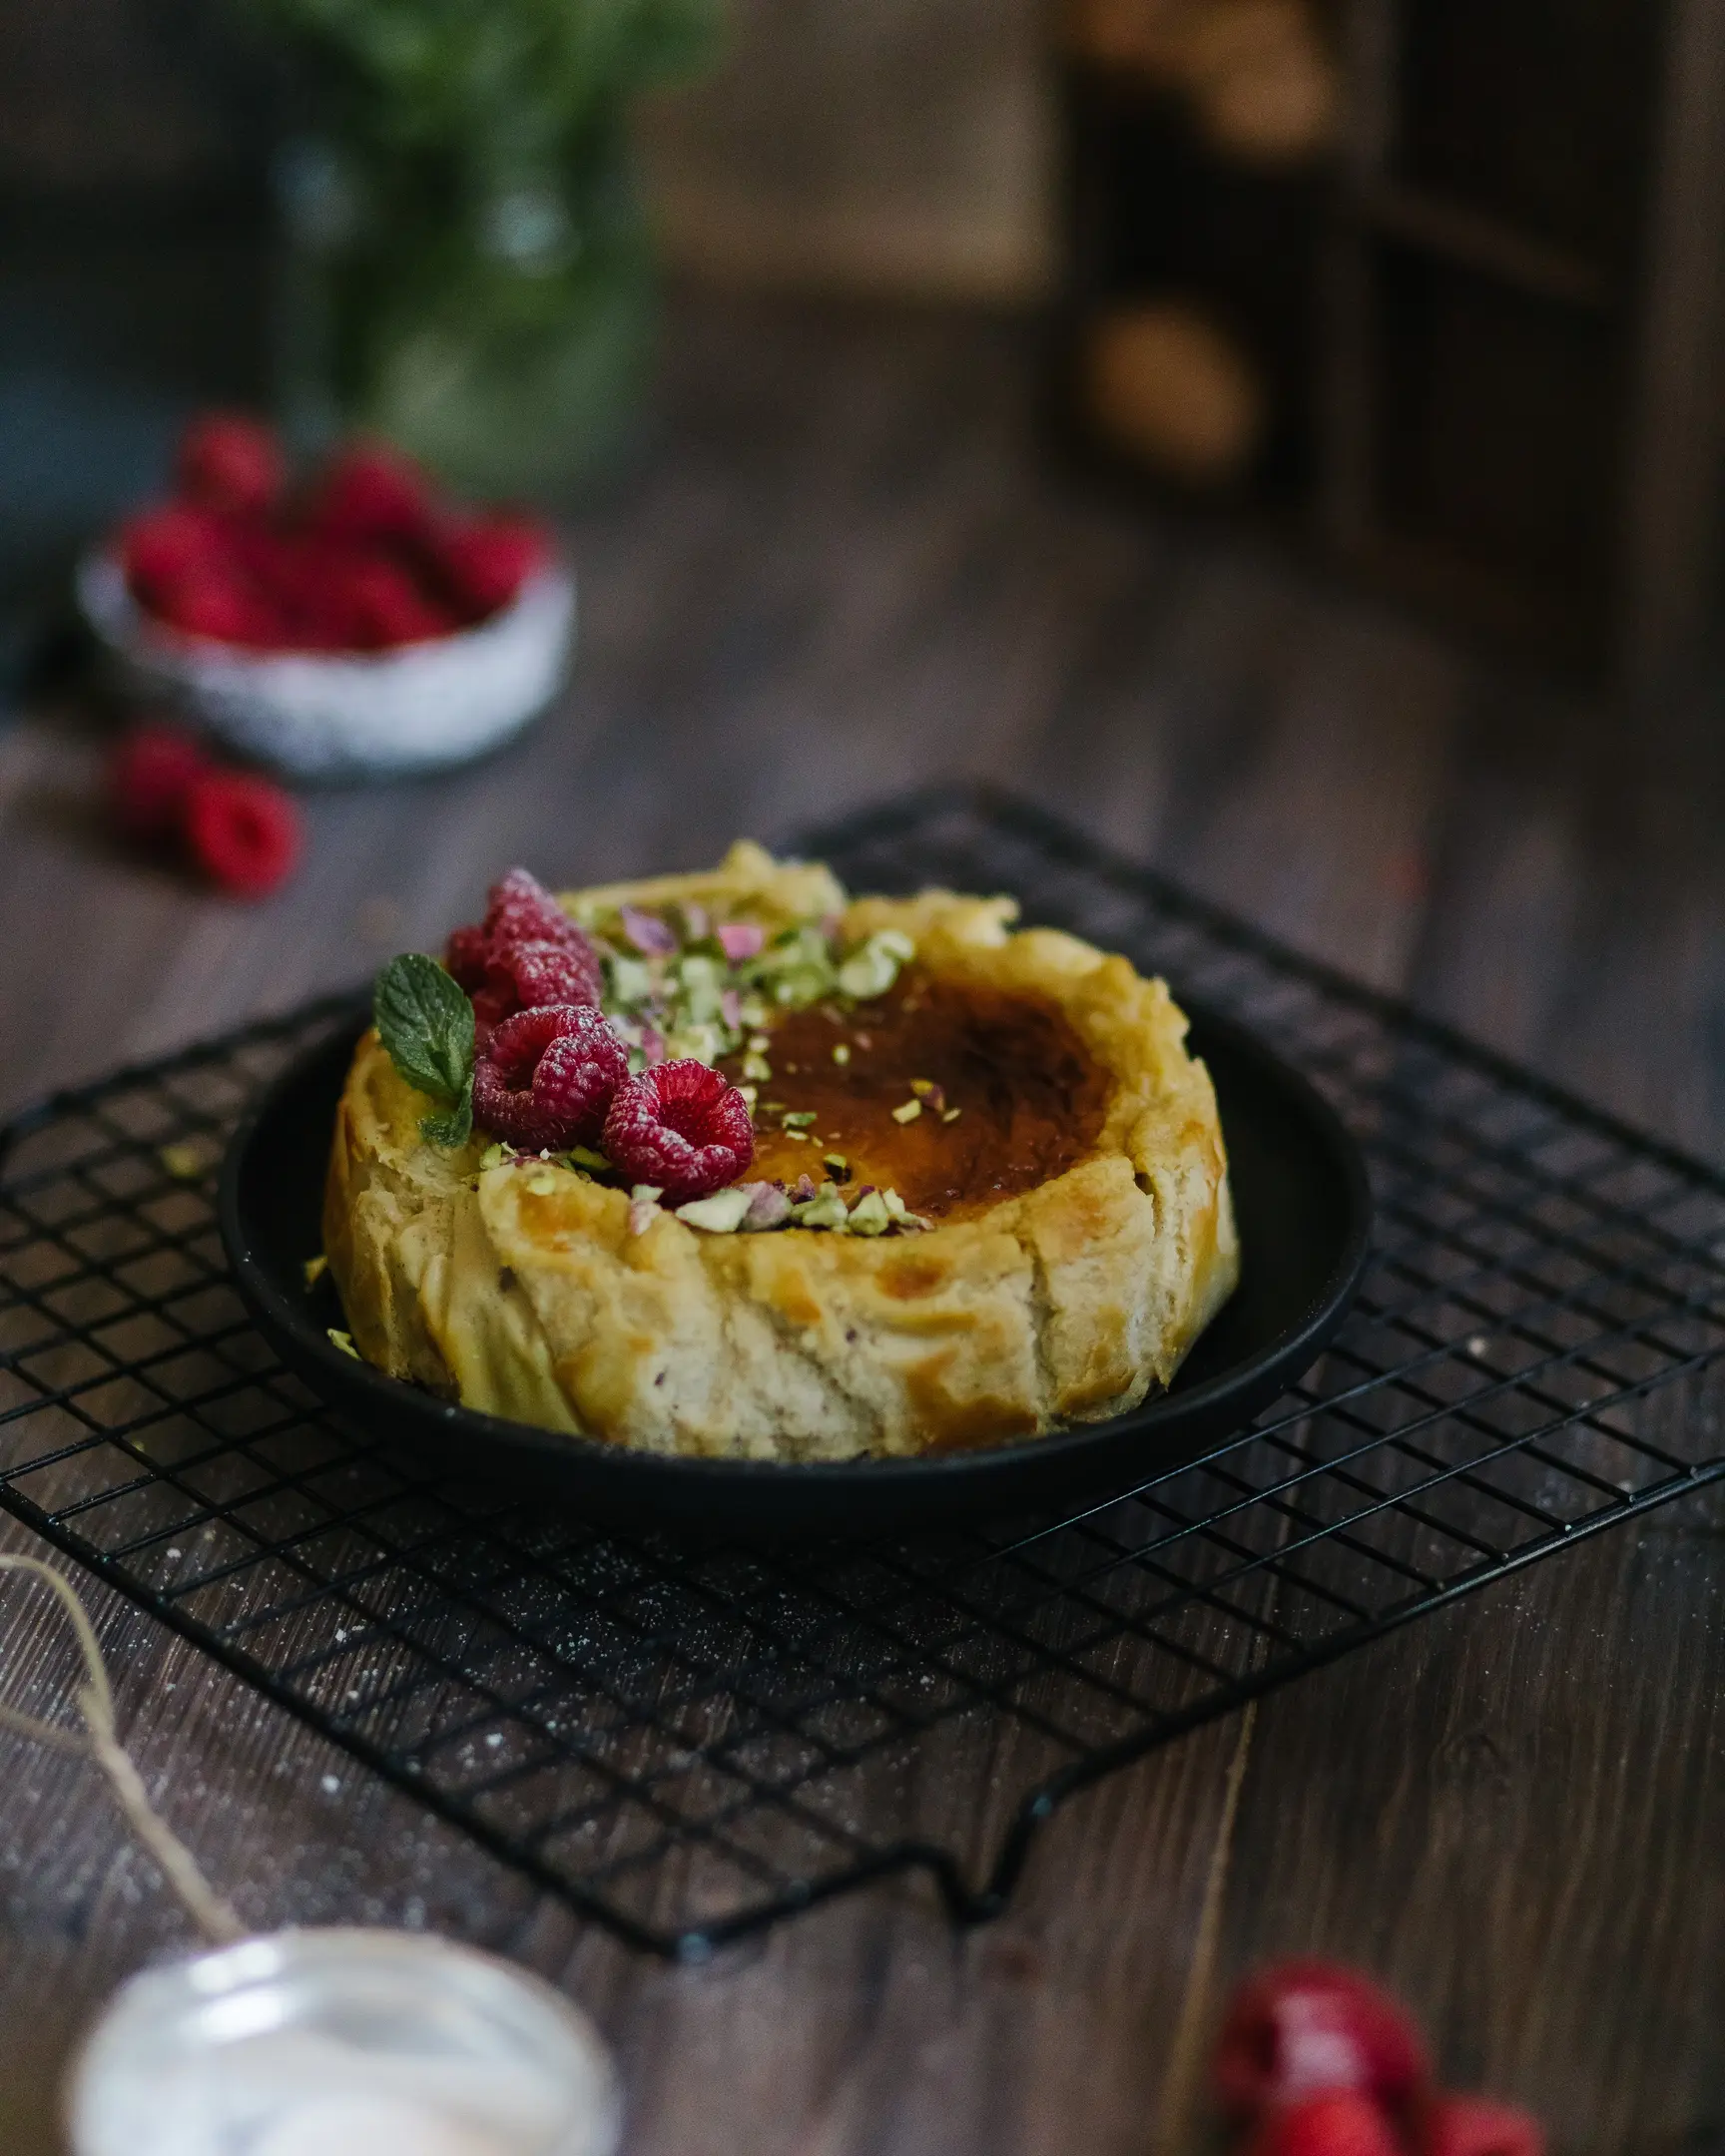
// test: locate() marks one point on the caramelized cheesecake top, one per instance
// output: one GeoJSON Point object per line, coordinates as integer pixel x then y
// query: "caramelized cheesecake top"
{"type": "Point", "coordinates": [955, 1096]}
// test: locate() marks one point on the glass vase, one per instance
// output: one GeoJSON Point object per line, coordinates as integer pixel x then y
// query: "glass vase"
{"type": "Point", "coordinates": [491, 314]}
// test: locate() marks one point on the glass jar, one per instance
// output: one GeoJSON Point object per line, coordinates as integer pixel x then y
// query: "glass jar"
{"type": "Point", "coordinates": [339, 2042]}
{"type": "Point", "coordinates": [492, 311]}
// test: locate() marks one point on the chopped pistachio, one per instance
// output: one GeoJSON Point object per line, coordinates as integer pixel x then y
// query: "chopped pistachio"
{"type": "Point", "coordinates": [494, 1155]}
{"type": "Point", "coordinates": [799, 1119]}
{"type": "Point", "coordinates": [873, 966]}
{"type": "Point", "coordinates": [584, 1156]}
{"type": "Point", "coordinates": [951, 1115]}
{"type": "Point", "coordinates": [774, 1107]}
{"type": "Point", "coordinates": [837, 1167]}
{"type": "Point", "coordinates": [795, 969]}
{"type": "Point", "coordinates": [757, 1067]}
{"type": "Point", "coordinates": [902, 1214]}
{"type": "Point", "coordinates": [643, 1207]}
{"type": "Point", "coordinates": [314, 1268]}
{"type": "Point", "coordinates": [922, 1086]}
{"type": "Point", "coordinates": [868, 1216]}
{"type": "Point", "coordinates": [344, 1341]}
{"type": "Point", "coordinates": [825, 1210]}
{"type": "Point", "coordinates": [757, 1044]}
{"type": "Point", "coordinates": [750, 1094]}
{"type": "Point", "coordinates": [646, 1194]}
{"type": "Point", "coordinates": [542, 1184]}
{"type": "Point", "coordinates": [841, 1052]}
{"type": "Point", "coordinates": [722, 1213]}
{"type": "Point", "coordinates": [703, 982]}
{"type": "Point", "coordinates": [702, 1041]}
{"type": "Point", "coordinates": [798, 1136]}
{"type": "Point", "coordinates": [908, 1113]}
{"type": "Point", "coordinates": [629, 981]}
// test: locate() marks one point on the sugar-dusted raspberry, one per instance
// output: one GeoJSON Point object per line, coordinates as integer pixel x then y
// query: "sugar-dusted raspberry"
{"type": "Point", "coordinates": [682, 1126]}
{"type": "Point", "coordinates": [149, 777]}
{"type": "Point", "coordinates": [539, 973]}
{"type": "Point", "coordinates": [526, 952]}
{"type": "Point", "coordinates": [1479, 2126]}
{"type": "Point", "coordinates": [231, 462]}
{"type": "Point", "coordinates": [519, 909]}
{"type": "Point", "coordinates": [1304, 2027]}
{"type": "Point", "coordinates": [1342, 2123]}
{"type": "Point", "coordinates": [548, 1076]}
{"type": "Point", "coordinates": [243, 831]}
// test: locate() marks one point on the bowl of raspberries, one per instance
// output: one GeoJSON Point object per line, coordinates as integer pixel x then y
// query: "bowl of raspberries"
{"type": "Point", "coordinates": [346, 622]}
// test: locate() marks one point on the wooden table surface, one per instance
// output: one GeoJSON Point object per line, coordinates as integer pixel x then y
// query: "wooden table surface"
{"type": "Point", "coordinates": [842, 572]}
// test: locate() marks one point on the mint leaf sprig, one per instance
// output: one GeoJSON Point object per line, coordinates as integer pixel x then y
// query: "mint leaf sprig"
{"type": "Point", "coordinates": [426, 1023]}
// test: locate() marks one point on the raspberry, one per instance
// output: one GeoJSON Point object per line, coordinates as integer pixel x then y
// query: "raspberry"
{"type": "Point", "coordinates": [682, 1126]}
{"type": "Point", "coordinates": [526, 952]}
{"type": "Point", "coordinates": [149, 776]}
{"type": "Point", "coordinates": [538, 973]}
{"type": "Point", "coordinates": [1340, 2122]}
{"type": "Point", "coordinates": [1302, 2027]}
{"type": "Point", "coordinates": [465, 957]}
{"type": "Point", "coordinates": [1476, 2126]}
{"type": "Point", "coordinates": [548, 1077]}
{"type": "Point", "coordinates": [485, 563]}
{"type": "Point", "coordinates": [370, 491]}
{"type": "Point", "coordinates": [519, 909]}
{"type": "Point", "coordinates": [161, 546]}
{"type": "Point", "coordinates": [213, 604]}
{"type": "Point", "coordinates": [230, 462]}
{"type": "Point", "coordinates": [386, 605]}
{"type": "Point", "coordinates": [243, 831]}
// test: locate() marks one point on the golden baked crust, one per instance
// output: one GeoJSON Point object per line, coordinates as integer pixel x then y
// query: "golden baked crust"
{"type": "Point", "coordinates": [520, 1288]}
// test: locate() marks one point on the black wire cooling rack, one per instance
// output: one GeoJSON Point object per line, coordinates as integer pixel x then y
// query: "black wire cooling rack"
{"type": "Point", "coordinates": [688, 1744]}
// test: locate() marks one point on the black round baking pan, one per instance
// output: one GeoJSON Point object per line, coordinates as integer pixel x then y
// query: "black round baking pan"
{"type": "Point", "coordinates": [1305, 1211]}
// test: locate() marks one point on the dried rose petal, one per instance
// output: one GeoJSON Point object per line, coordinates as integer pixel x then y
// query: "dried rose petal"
{"type": "Point", "coordinates": [741, 940]}
{"type": "Point", "coordinates": [648, 933]}
{"type": "Point", "coordinates": [769, 1207]}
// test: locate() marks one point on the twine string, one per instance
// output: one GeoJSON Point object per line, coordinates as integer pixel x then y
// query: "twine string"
{"type": "Point", "coordinates": [100, 1740]}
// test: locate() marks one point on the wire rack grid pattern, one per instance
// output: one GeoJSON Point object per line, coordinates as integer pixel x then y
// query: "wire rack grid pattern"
{"type": "Point", "coordinates": [689, 1743]}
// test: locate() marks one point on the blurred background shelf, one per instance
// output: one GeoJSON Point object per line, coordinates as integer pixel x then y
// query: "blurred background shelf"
{"type": "Point", "coordinates": [1476, 303]}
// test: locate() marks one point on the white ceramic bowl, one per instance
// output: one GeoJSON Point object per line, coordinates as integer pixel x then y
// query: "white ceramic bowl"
{"type": "Point", "coordinates": [347, 715]}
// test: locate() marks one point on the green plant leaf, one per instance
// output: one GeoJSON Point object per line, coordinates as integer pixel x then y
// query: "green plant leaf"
{"type": "Point", "coordinates": [426, 1024]}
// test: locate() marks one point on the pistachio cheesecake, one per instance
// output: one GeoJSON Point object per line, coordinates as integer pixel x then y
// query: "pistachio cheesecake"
{"type": "Point", "coordinates": [731, 1165]}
